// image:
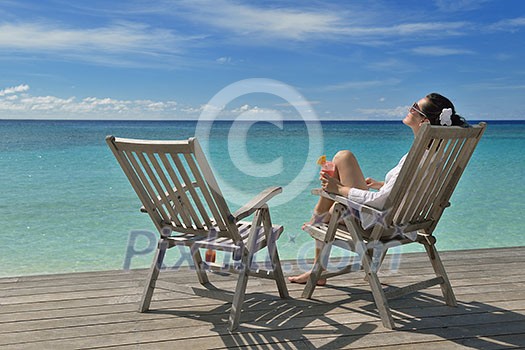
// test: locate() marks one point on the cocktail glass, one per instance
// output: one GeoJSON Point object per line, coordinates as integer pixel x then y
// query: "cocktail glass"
{"type": "Point", "coordinates": [328, 168]}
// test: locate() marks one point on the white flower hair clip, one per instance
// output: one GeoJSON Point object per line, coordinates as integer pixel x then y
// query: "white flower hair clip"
{"type": "Point", "coordinates": [444, 117]}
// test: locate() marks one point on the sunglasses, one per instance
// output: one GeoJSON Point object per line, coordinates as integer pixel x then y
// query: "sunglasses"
{"type": "Point", "coordinates": [415, 107]}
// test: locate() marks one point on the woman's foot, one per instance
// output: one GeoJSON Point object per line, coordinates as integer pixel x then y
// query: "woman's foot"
{"type": "Point", "coordinates": [303, 278]}
{"type": "Point", "coordinates": [316, 219]}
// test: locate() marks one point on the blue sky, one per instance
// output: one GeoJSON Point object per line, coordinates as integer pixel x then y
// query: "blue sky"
{"type": "Point", "coordinates": [364, 60]}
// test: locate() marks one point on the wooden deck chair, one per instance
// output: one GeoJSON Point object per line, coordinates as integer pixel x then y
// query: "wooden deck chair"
{"type": "Point", "coordinates": [421, 193]}
{"type": "Point", "coordinates": [179, 192]}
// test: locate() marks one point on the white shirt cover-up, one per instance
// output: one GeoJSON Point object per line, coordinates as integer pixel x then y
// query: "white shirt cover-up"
{"type": "Point", "coordinates": [378, 199]}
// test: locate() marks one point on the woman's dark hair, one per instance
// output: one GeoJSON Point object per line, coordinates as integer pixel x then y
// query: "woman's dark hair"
{"type": "Point", "coordinates": [435, 103]}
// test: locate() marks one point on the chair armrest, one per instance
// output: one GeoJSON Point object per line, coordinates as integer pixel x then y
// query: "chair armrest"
{"type": "Point", "coordinates": [255, 203]}
{"type": "Point", "coordinates": [347, 202]}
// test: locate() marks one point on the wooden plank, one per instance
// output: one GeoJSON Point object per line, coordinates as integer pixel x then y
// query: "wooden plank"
{"type": "Point", "coordinates": [328, 311]}
{"type": "Point", "coordinates": [419, 183]}
{"type": "Point", "coordinates": [214, 189]}
{"type": "Point", "coordinates": [439, 178]}
{"type": "Point", "coordinates": [119, 314]}
{"type": "Point", "coordinates": [183, 195]}
{"type": "Point", "coordinates": [493, 259]}
{"type": "Point", "coordinates": [315, 331]}
{"type": "Point", "coordinates": [153, 145]}
{"type": "Point", "coordinates": [148, 193]}
{"type": "Point", "coordinates": [219, 220]}
{"type": "Point", "coordinates": [170, 198]}
{"type": "Point", "coordinates": [491, 292]}
{"type": "Point", "coordinates": [438, 174]}
{"type": "Point", "coordinates": [463, 264]}
{"type": "Point", "coordinates": [124, 162]}
{"type": "Point", "coordinates": [359, 298]}
{"type": "Point", "coordinates": [313, 309]}
{"type": "Point", "coordinates": [88, 316]}
{"type": "Point", "coordinates": [415, 153]}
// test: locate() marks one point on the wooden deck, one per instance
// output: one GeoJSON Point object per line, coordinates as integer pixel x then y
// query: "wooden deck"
{"type": "Point", "coordinates": [98, 310]}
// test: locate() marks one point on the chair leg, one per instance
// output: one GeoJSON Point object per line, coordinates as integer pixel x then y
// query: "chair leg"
{"type": "Point", "coordinates": [377, 253]}
{"type": "Point", "coordinates": [240, 291]}
{"type": "Point", "coordinates": [197, 260]}
{"type": "Point", "coordinates": [277, 270]}
{"type": "Point", "coordinates": [271, 245]}
{"type": "Point", "coordinates": [317, 269]}
{"type": "Point", "coordinates": [242, 281]}
{"type": "Point", "coordinates": [153, 275]}
{"type": "Point", "coordinates": [440, 271]}
{"type": "Point", "coordinates": [371, 268]}
{"type": "Point", "coordinates": [322, 260]}
{"type": "Point", "coordinates": [378, 293]}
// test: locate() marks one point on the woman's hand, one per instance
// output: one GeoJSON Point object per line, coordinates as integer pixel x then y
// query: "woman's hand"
{"type": "Point", "coordinates": [332, 185]}
{"type": "Point", "coordinates": [374, 184]}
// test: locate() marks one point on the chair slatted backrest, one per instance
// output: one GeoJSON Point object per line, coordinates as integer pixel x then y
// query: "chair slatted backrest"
{"type": "Point", "coordinates": [175, 184]}
{"type": "Point", "coordinates": [430, 174]}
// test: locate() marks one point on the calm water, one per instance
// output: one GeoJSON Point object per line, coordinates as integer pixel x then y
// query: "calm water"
{"type": "Point", "coordinates": [66, 206]}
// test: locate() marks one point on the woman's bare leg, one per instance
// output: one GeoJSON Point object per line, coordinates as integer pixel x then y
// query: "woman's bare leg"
{"type": "Point", "coordinates": [349, 173]}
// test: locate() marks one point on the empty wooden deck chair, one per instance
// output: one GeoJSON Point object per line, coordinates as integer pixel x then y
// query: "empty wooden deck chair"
{"type": "Point", "coordinates": [179, 192]}
{"type": "Point", "coordinates": [420, 194]}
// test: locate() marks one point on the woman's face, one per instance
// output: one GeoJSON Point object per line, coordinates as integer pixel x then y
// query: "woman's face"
{"type": "Point", "coordinates": [415, 118]}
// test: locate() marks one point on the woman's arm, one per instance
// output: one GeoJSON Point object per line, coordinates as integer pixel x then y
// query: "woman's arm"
{"type": "Point", "coordinates": [371, 198]}
{"type": "Point", "coordinates": [333, 185]}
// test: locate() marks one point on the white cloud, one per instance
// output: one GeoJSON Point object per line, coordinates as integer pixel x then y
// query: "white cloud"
{"type": "Point", "coordinates": [385, 113]}
{"type": "Point", "coordinates": [459, 5]}
{"type": "Point", "coordinates": [242, 108]}
{"type": "Point", "coordinates": [440, 51]}
{"type": "Point", "coordinates": [46, 103]}
{"type": "Point", "coordinates": [122, 37]}
{"type": "Point", "coordinates": [14, 89]}
{"type": "Point", "coordinates": [495, 85]}
{"type": "Point", "coordinates": [349, 85]}
{"type": "Point", "coordinates": [249, 20]}
{"type": "Point", "coordinates": [224, 60]}
{"type": "Point", "coordinates": [244, 112]}
{"type": "Point", "coordinates": [510, 25]}
{"type": "Point", "coordinates": [298, 103]}
{"type": "Point", "coordinates": [211, 108]}
{"type": "Point", "coordinates": [14, 101]}
{"type": "Point", "coordinates": [434, 29]}
{"type": "Point", "coordinates": [503, 56]}
{"type": "Point", "coordinates": [189, 110]}
{"type": "Point", "coordinates": [255, 113]}
{"type": "Point", "coordinates": [280, 23]}
{"type": "Point", "coordinates": [117, 44]}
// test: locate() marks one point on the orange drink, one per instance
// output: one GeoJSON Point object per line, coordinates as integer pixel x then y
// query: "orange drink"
{"type": "Point", "coordinates": [210, 256]}
{"type": "Point", "coordinates": [328, 168]}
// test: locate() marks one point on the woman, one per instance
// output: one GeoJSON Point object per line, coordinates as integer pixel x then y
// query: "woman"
{"type": "Point", "coordinates": [348, 179]}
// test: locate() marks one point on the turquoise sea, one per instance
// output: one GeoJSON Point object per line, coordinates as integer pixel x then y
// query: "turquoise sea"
{"type": "Point", "coordinates": [66, 206]}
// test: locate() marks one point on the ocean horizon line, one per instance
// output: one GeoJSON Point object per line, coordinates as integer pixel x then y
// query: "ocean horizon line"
{"type": "Point", "coordinates": [393, 121]}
